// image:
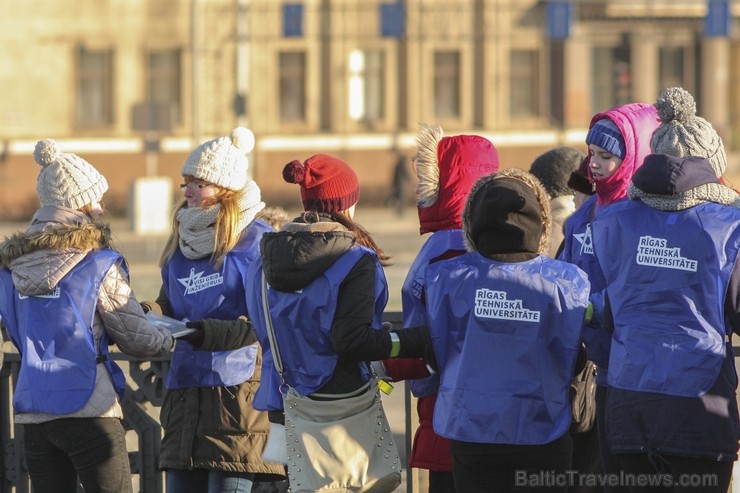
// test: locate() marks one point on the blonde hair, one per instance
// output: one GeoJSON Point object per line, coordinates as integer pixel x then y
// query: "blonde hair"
{"type": "Point", "coordinates": [228, 227]}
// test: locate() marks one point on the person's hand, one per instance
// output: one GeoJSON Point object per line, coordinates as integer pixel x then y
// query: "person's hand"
{"type": "Point", "coordinates": [196, 337]}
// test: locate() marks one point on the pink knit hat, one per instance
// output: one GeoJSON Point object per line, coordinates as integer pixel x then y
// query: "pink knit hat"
{"type": "Point", "coordinates": [327, 183]}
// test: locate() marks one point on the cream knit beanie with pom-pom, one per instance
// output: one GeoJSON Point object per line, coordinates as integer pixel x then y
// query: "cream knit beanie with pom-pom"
{"type": "Point", "coordinates": [222, 161]}
{"type": "Point", "coordinates": [683, 134]}
{"type": "Point", "coordinates": [66, 179]}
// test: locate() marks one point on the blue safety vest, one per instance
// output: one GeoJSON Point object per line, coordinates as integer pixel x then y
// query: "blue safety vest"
{"type": "Point", "coordinates": [197, 291]}
{"type": "Point", "coordinates": [505, 336]}
{"type": "Point", "coordinates": [667, 275]}
{"type": "Point", "coordinates": [302, 321]}
{"type": "Point", "coordinates": [53, 334]}
{"type": "Point", "coordinates": [414, 311]}
{"type": "Point", "coordinates": [578, 250]}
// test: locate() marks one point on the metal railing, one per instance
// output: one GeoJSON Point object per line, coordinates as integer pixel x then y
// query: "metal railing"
{"type": "Point", "coordinates": [144, 389]}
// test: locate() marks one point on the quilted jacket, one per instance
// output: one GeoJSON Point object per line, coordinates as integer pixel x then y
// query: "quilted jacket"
{"type": "Point", "coordinates": [57, 240]}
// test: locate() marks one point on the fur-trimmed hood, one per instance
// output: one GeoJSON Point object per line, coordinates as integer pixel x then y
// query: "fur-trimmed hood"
{"type": "Point", "coordinates": [446, 169]}
{"type": "Point", "coordinates": [508, 213]}
{"type": "Point", "coordinates": [42, 255]}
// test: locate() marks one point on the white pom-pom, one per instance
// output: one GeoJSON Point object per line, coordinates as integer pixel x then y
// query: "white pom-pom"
{"type": "Point", "coordinates": [676, 104]}
{"type": "Point", "coordinates": [46, 152]}
{"type": "Point", "coordinates": [243, 139]}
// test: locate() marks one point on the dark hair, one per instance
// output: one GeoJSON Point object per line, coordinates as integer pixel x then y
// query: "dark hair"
{"type": "Point", "coordinates": [363, 236]}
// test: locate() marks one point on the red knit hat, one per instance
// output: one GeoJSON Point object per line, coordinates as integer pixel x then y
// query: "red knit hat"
{"type": "Point", "coordinates": [327, 183]}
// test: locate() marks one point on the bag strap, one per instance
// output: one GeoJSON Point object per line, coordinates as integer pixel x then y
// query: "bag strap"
{"type": "Point", "coordinates": [276, 358]}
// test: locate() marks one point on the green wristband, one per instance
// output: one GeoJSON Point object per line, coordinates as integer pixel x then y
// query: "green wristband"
{"type": "Point", "coordinates": [395, 345]}
{"type": "Point", "coordinates": [589, 313]}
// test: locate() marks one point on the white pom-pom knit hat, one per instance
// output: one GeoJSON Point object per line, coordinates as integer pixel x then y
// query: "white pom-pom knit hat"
{"type": "Point", "coordinates": [66, 180]}
{"type": "Point", "coordinates": [222, 161]}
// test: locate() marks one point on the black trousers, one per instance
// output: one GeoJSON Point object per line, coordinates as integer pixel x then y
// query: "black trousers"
{"type": "Point", "coordinates": [672, 473]}
{"type": "Point", "coordinates": [441, 482]}
{"type": "Point", "coordinates": [586, 460]}
{"type": "Point", "coordinates": [609, 462]}
{"type": "Point", "coordinates": [494, 468]}
{"type": "Point", "coordinates": [59, 451]}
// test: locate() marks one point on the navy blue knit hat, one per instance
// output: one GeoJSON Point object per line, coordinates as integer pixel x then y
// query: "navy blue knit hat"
{"type": "Point", "coordinates": [606, 135]}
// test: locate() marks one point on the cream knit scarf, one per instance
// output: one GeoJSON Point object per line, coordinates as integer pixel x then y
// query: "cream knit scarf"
{"type": "Point", "coordinates": [708, 192]}
{"type": "Point", "coordinates": [197, 226]}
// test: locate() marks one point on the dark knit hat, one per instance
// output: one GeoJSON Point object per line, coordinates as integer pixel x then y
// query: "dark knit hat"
{"type": "Point", "coordinates": [554, 167]}
{"type": "Point", "coordinates": [605, 134]}
{"type": "Point", "coordinates": [579, 180]}
{"type": "Point", "coordinates": [507, 212]}
{"type": "Point", "coordinates": [327, 183]}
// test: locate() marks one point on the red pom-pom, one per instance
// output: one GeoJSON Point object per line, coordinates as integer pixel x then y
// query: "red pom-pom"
{"type": "Point", "coordinates": [294, 172]}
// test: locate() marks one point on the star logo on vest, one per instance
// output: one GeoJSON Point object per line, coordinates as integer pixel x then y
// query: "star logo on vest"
{"type": "Point", "coordinates": [198, 282]}
{"type": "Point", "coordinates": [586, 241]}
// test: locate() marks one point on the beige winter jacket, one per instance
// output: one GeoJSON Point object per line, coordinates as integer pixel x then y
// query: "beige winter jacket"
{"type": "Point", "coordinates": [57, 240]}
{"type": "Point", "coordinates": [561, 208]}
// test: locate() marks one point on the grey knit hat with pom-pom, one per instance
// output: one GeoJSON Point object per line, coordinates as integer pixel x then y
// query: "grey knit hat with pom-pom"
{"type": "Point", "coordinates": [66, 180]}
{"type": "Point", "coordinates": [222, 161]}
{"type": "Point", "coordinates": [683, 134]}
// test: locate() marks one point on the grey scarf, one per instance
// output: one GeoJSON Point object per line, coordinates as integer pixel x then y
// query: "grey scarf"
{"type": "Point", "coordinates": [197, 226]}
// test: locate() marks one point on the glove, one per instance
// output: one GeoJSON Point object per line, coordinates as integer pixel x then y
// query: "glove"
{"type": "Point", "coordinates": [386, 326]}
{"type": "Point", "coordinates": [416, 342]}
{"type": "Point", "coordinates": [596, 300]}
{"type": "Point", "coordinates": [194, 338]}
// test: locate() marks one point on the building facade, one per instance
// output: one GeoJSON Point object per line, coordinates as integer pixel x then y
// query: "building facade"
{"type": "Point", "coordinates": [133, 85]}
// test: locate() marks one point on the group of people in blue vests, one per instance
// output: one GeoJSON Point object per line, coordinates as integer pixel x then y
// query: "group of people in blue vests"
{"type": "Point", "coordinates": [496, 319]}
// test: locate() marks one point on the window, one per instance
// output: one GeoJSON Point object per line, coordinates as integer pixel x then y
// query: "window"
{"type": "Point", "coordinates": [366, 86]}
{"type": "Point", "coordinates": [292, 87]}
{"type": "Point", "coordinates": [94, 103]}
{"type": "Point", "coordinates": [671, 68]}
{"type": "Point", "coordinates": [524, 91]}
{"type": "Point", "coordinates": [447, 84]}
{"type": "Point", "coordinates": [163, 82]}
{"type": "Point", "coordinates": [612, 85]}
